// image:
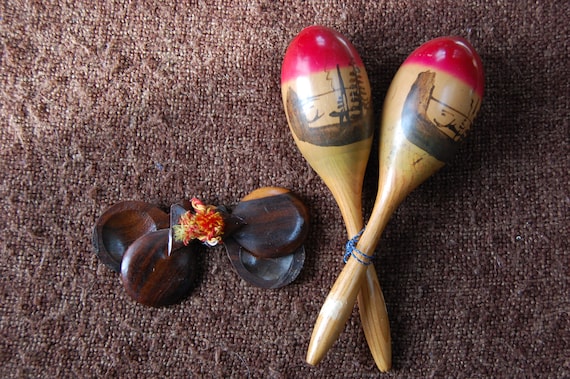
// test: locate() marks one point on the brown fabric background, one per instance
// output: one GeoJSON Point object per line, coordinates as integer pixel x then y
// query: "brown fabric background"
{"type": "Point", "coordinates": [108, 101]}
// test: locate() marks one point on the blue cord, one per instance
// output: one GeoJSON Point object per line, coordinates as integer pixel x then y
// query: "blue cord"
{"type": "Point", "coordinates": [351, 250]}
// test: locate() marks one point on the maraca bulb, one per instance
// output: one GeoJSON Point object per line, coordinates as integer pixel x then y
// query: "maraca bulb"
{"type": "Point", "coordinates": [327, 99]}
{"type": "Point", "coordinates": [429, 109]}
{"type": "Point", "coordinates": [325, 89]}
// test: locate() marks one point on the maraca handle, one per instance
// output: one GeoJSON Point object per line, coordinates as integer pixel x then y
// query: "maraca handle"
{"type": "Point", "coordinates": [336, 310]}
{"type": "Point", "coordinates": [345, 184]}
{"type": "Point", "coordinates": [374, 319]}
{"type": "Point", "coordinates": [371, 304]}
{"type": "Point", "coordinates": [339, 303]}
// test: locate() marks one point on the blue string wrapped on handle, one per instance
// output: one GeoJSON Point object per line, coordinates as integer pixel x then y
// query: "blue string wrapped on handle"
{"type": "Point", "coordinates": [351, 250]}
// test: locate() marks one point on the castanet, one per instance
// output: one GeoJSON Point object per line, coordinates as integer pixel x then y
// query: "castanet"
{"type": "Point", "coordinates": [275, 222]}
{"type": "Point", "coordinates": [267, 249]}
{"type": "Point", "coordinates": [132, 238]}
{"type": "Point", "coordinates": [263, 234]}
{"type": "Point", "coordinates": [120, 225]}
{"type": "Point", "coordinates": [152, 276]}
{"type": "Point", "coordinates": [428, 110]}
{"type": "Point", "coordinates": [270, 273]}
{"type": "Point", "coordinates": [327, 100]}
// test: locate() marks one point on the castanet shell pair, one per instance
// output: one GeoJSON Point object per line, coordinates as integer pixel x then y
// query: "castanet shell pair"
{"type": "Point", "coordinates": [267, 250]}
{"type": "Point", "coordinates": [264, 245]}
{"type": "Point", "coordinates": [131, 237]}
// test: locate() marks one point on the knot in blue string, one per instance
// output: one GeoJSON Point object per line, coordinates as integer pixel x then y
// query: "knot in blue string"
{"type": "Point", "coordinates": [351, 250]}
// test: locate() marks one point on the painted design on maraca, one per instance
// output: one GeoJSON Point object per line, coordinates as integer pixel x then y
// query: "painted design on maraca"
{"type": "Point", "coordinates": [312, 122]}
{"type": "Point", "coordinates": [432, 119]}
{"type": "Point", "coordinates": [432, 124]}
{"type": "Point", "coordinates": [404, 162]}
{"type": "Point", "coordinates": [327, 96]}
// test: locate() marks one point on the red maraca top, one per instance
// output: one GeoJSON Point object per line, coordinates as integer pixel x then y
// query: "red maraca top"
{"type": "Point", "coordinates": [455, 56]}
{"type": "Point", "coordinates": [317, 48]}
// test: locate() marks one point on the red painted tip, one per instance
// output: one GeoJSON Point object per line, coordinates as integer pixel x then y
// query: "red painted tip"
{"type": "Point", "coordinates": [317, 48]}
{"type": "Point", "coordinates": [455, 56]}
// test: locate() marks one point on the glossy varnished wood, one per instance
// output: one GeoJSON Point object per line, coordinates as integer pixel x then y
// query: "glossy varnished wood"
{"type": "Point", "coordinates": [261, 272]}
{"type": "Point", "coordinates": [428, 110]}
{"type": "Point", "coordinates": [266, 248]}
{"type": "Point", "coordinates": [120, 225]}
{"type": "Point", "coordinates": [151, 276]}
{"type": "Point", "coordinates": [327, 99]}
{"type": "Point", "coordinates": [276, 222]}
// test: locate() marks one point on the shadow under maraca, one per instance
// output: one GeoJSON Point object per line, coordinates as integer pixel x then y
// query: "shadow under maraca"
{"type": "Point", "coordinates": [497, 139]}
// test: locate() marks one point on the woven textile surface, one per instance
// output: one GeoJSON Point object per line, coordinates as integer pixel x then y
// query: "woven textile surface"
{"type": "Point", "coordinates": [107, 101]}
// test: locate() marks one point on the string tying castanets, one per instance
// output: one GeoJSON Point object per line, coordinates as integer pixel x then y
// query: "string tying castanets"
{"type": "Point", "coordinates": [205, 223]}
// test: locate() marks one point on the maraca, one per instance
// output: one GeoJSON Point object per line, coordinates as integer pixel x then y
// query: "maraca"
{"type": "Point", "coordinates": [326, 95]}
{"type": "Point", "coordinates": [429, 107]}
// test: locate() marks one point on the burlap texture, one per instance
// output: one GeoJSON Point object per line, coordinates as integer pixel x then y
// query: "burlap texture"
{"type": "Point", "coordinates": [108, 101]}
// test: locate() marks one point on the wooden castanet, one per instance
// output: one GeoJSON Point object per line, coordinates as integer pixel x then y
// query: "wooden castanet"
{"type": "Point", "coordinates": [268, 273]}
{"type": "Point", "coordinates": [428, 110]}
{"type": "Point", "coordinates": [267, 249]}
{"type": "Point", "coordinates": [120, 225]}
{"type": "Point", "coordinates": [328, 103]}
{"type": "Point", "coordinates": [152, 276]}
{"type": "Point", "coordinates": [263, 235]}
{"type": "Point", "coordinates": [276, 222]}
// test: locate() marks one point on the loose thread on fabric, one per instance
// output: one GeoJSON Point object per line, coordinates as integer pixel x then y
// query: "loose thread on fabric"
{"type": "Point", "coordinates": [351, 250]}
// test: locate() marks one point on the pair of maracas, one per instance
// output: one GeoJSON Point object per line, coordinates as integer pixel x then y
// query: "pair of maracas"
{"type": "Point", "coordinates": [263, 236]}
{"type": "Point", "coordinates": [428, 110]}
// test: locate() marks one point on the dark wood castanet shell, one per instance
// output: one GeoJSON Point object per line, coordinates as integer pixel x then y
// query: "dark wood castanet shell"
{"type": "Point", "coordinates": [268, 273]}
{"type": "Point", "coordinates": [276, 222]}
{"type": "Point", "coordinates": [151, 276]}
{"type": "Point", "coordinates": [120, 225]}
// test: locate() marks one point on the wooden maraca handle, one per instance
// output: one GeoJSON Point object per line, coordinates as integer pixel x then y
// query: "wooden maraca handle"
{"type": "Point", "coordinates": [339, 303]}
{"type": "Point", "coordinates": [374, 319]}
{"type": "Point", "coordinates": [371, 304]}
{"type": "Point", "coordinates": [336, 310]}
{"type": "Point", "coordinates": [429, 108]}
